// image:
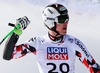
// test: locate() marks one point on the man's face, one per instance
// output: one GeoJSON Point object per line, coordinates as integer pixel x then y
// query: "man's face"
{"type": "Point", "coordinates": [62, 28]}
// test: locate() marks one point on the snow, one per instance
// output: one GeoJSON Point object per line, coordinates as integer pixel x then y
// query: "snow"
{"type": "Point", "coordinates": [84, 24]}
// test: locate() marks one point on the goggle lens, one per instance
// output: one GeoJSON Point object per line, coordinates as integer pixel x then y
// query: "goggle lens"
{"type": "Point", "coordinates": [62, 19]}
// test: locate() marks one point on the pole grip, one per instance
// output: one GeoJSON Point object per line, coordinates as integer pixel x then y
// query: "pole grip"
{"type": "Point", "coordinates": [11, 24]}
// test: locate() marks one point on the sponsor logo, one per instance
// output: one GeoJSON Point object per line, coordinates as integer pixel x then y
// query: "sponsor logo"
{"type": "Point", "coordinates": [52, 19]}
{"type": "Point", "coordinates": [82, 47]}
{"type": "Point", "coordinates": [32, 39]}
{"type": "Point", "coordinates": [70, 40]}
{"type": "Point", "coordinates": [50, 11]}
{"type": "Point", "coordinates": [62, 8]}
{"type": "Point", "coordinates": [57, 53]}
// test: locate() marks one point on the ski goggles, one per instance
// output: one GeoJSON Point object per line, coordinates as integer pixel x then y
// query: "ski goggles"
{"type": "Point", "coordinates": [62, 19]}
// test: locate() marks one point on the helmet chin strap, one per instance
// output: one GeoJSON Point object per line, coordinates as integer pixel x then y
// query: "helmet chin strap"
{"type": "Point", "coordinates": [56, 37]}
{"type": "Point", "coordinates": [57, 34]}
{"type": "Point", "coordinates": [54, 29]}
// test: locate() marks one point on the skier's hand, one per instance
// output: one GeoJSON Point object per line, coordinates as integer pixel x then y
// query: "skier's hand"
{"type": "Point", "coordinates": [21, 24]}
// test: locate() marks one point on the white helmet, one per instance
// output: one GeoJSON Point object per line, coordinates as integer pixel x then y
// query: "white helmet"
{"type": "Point", "coordinates": [54, 13]}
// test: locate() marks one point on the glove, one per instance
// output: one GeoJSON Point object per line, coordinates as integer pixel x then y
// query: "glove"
{"type": "Point", "coordinates": [21, 24]}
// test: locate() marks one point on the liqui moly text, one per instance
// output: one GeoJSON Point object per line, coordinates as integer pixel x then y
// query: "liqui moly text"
{"type": "Point", "coordinates": [57, 53]}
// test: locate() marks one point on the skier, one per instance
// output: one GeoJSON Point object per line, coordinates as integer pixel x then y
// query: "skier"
{"type": "Point", "coordinates": [56, 51]}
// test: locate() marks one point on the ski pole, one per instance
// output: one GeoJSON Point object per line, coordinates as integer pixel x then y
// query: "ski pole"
{"type": "Point", "coordinates": [15, 28]}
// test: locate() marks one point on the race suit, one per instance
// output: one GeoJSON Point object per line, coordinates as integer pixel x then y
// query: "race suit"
{"type": "Point", "coordinates": [52, 56]}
